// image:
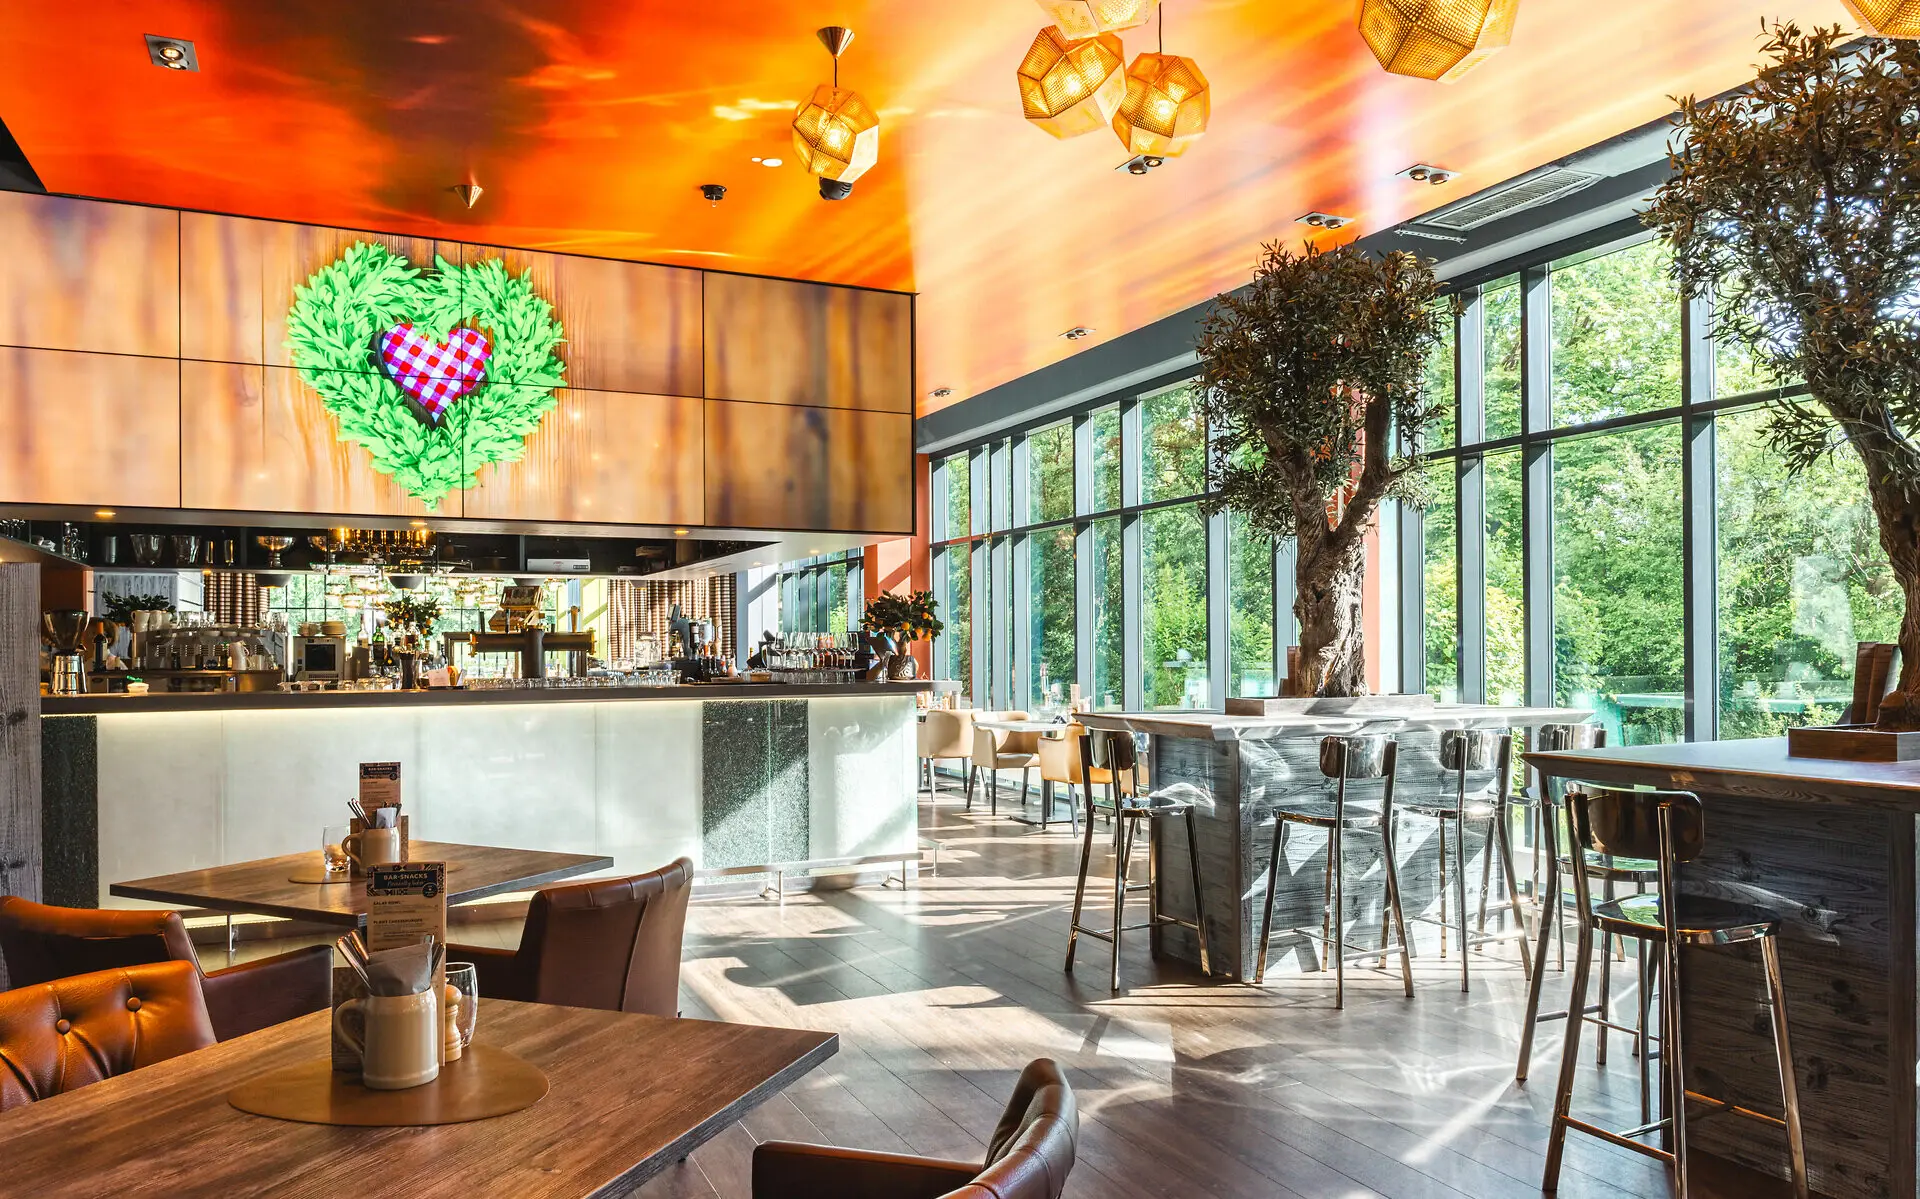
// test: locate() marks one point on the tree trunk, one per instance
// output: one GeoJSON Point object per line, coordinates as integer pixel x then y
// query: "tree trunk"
{"type": "Point", "coordinates": [1327, 602]}
{"type": "Point", "coordinates": [1891, 467]}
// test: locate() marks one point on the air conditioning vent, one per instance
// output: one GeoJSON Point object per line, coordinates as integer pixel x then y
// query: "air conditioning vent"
{"type": "Point", "coordinates": [1540, 187]}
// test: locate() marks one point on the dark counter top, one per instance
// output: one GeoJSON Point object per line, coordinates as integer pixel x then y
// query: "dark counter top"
{"type": "Point", "coordinates": [240, 701]}
{"type": "Point", "coordinates": [1758, 768]}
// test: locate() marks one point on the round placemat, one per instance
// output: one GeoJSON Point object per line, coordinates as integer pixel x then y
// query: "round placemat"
{"type": "Point", "coordinates": [484, 1082]}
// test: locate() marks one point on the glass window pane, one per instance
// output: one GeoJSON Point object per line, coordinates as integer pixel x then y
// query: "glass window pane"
{"type": "Point", "coordinates": [835, 578]}
{"type": "Point", "coordinates": [1249, 609]}
{"type": "Point", "coordinates": [1440, 524]}
{"type": "Point", "coordinates": [959, 491]}
{"type": "Point", "coordinates": [1616, 335]}
{"type": "Point", "coordinates": [1000, 485]}
{"type": "Point", "coordinates": [1173, 612]}
{"type": "Point", "coordinates": [1108, 634]}
{"type": "Point", "coordinates": [1802, 580]}
{"type": "Point", "coordinates": [1106, 459]}
{"type": "Point", "coordinates": [1050, 473]}
{"type": "Point", "coordinates": [1506, 588]}
{"type": "Point", "coordinates": [1617, 590]}
{"type": "Point", "coordinates": [1051, 557]}
{"type": "Point", "coordinates": [1500, 357]}
{"type": "Point", "coordinates": [957, 614]}
{"type": "Point", "coordinates": [1173, 453]}
{"type": "Point", "coordinates": [1439, 383]}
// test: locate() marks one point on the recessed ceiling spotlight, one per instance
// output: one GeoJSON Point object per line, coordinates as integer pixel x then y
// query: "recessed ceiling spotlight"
{"type": "Point", "coordinates": [172, 53]}
{"type": "Point", "coordinates": [1140, 164]}
{"type": "Point", "coordinates": [105, 513]}
{"type": "Point", "coordinates": [769, 162]}
{"type": "Point", "coordinates": [941, 393]}
{"type": "Point", "coordinates": [1324, 220]}
{"type": "Point", "coordinates": [418, 524]}
{"type": "Point", "coordinates": [679, 532]}
{"type": "Point", "coordinates": [1077, 333]}
{"type": "Point", "coordinates": [1421, 172]}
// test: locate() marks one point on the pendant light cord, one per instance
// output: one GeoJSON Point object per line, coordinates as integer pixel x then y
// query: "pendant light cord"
{"type": "Point", "coordinates": [1162, 26]}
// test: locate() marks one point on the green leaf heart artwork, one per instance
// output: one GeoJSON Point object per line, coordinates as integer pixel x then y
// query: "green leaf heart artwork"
{"type": "Point", "coordinates": [438, 373]}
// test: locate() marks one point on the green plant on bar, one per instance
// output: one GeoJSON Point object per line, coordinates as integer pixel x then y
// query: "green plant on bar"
{"type": "Point", "coordinates": [1795, 204]}
{"type": "Point", "coordinates": [120, 608]}
{"type": "Point", "coordinates": [1306, 374]}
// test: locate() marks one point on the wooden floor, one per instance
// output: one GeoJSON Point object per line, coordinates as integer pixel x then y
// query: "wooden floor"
{"type": "Point", "coordinates": [1187, 1089]}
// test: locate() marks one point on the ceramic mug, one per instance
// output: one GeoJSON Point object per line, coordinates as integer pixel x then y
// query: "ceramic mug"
{"type": "Point", "coordinates": [373, 847]}
{"type": "Point", "coordinates": [398, 1040]}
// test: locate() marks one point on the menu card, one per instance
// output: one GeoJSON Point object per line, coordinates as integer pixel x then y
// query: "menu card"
{"type": "Point", "coordinates": [406, 902]}
{"type": "Point", "coordinates": [379, 785]}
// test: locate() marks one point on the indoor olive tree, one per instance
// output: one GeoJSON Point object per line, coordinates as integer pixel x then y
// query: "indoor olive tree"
{"type": "Point", "coordinates": [1308, 376]}
{"type": "Point", "coordinates": [1796, 204]}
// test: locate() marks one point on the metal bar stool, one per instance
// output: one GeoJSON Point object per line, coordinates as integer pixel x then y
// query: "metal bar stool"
{"type": "Point", "coordinates": [1670, 828]}
{"type": "Point", "coordinates": [1344, 760]}
{"type": "Point", "coordinates": [1462, 751]}
{"type": "Point", "coordinates": [1610, 872]}
{"type": "Point", "coordinates": [1110, 757]}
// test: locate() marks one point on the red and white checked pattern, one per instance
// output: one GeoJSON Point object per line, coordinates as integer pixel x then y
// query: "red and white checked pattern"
{"type": "Point", "coordinates": [435, 373]}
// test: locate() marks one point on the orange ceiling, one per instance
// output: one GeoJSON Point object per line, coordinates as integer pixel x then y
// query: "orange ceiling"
{"type": "Point", "coordinates": [591, 123]}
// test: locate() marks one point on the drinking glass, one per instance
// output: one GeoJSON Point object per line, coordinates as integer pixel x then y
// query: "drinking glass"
{"type": "Point", "coordinates": [333, 854]}
{"type": "Point", "coordinates": [463, 989]}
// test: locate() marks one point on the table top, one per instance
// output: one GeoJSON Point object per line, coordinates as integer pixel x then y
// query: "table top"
{"type": "Point", "coordinates": [1213, 726]}
{"type": "Point", "coordinates": [1759, 768]}
{"type": "Point", "coordinates": [262, 887]}
{"type": "Point", "coordinates": [630, 1095]}
{"type": "Point", "coordinates": [1046, 728]}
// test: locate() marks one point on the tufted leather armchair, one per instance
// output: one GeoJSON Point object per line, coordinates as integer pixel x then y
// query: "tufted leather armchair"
{"type": "Point", "coordinates": [59, 1036]}
{"type": "Point", "coordinates": [1029, 1157]}
{"type": "Point", "coordinates": [611, 943]}
{"type": "Point", "coordinates": [43, 943]}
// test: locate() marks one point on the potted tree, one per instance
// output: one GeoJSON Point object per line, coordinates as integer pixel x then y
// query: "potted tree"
{"type": "Point", "coordinates": [1795, 203]}
{"type": "Point", "coordinates": [901, 620]}
{"type": "Point", "coordinates": [1308, 375]}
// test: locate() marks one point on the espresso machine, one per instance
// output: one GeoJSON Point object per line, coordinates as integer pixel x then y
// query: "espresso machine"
{"type": "Point", "coordinates": [65, 632]}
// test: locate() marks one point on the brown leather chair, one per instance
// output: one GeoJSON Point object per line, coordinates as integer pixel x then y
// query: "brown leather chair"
{"type": "Point", "coordinates": [42, 943]}
{"type": "Point", "coordinates": [611, 943]}
{"type": "Point", "coordinates": [59, 1036]}
{"type": "Point", "coordinates": [1029, 1157]}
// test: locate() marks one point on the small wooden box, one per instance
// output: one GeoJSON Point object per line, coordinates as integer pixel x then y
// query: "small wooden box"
{"type": "Point", "coordinates": [1853, 743]}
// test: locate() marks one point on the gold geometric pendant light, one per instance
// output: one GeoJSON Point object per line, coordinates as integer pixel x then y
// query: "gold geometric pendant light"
{"type": "Point", "coordinates": [836, 133]}
{"type": "Point", "coordinates": [1069, 87]}
{"type": "Point", "coordinates": [1085, 18]}
{"type": "Point", "coordinates": [1436, 39]}
{"type": "Point", "coordinates": [1886, 18]}
{"type": "Point", "coordinates": [1167, 104]}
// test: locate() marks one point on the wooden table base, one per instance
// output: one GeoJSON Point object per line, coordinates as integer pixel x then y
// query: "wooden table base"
{"type": "Point", "coordinates": [484, 1082]}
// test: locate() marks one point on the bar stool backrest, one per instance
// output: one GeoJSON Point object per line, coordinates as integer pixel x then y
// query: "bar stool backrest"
{"type": "Point", "coordinates": [1552, 738]}
{"type": "Point", "coordinates": [1356, 758]}
{"type": "Point", "coordinates": [1470, 749]}
{"type": "Point", "coordinates": [1113, 751]}
{"type": "Point", "coordinates": [1627, 824]}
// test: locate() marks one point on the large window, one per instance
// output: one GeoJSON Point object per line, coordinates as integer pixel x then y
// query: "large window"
{"type": "Point", "coordinates": [1593, 442]}
{"type": "Point", "coordinates": [1109, 638]}
{"type": "Point", "coordinates": [1050, 674]}
{"type": "Point", "coordinates": [1173, 624]}
{"type": "Point", "coordinates": [1049, 474]}
{"type": "Point", "coordinates": [1173, 449]}
{"type": "Point", "coordinates": [1250, 612]}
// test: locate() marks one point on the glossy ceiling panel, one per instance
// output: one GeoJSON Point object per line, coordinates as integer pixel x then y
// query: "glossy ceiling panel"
{"type": "Point", "coordinates": [592, 123]}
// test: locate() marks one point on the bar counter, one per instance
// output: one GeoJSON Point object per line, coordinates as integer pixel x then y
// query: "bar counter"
{"type": "Point", "coordinates": [732, 776]}
{"type": "Point", "coordinates": [1238, 769]}
{"type": "Point", "coordinates": [1829, 848]}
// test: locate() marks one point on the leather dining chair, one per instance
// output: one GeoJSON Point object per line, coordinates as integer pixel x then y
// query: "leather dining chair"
{"type": "Point", "coordinates": [42, 943]}
{"type": "Point", "coordinates": [1029, 1157]}
{"type": "Point", "coordinates": [994, 751]}
{"type": "Point", "coordinates": [62, 1035]}
{"type": "Point", "coordinates": [611, 943]}
{"type": "Point", "coordinates": [944, 734]}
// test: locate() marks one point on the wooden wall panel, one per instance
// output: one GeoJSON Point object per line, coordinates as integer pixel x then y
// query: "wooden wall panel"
{"type": "Point", "coordinates": [261, 441]}
{"type": "Point", "coordinates": [817, 469]}
{"type": "Point", "coordinates": [83, 275]}
{"type": "Point", "coordinates": [238, 275]}
{"type": "Point", "coordinates": [21, 864]}
{"type": "Point", "coordinates": [775, 341]}
{"type": "Point", "coordinates": [629, 326]}
{"type": "Point", "coordinates": [89, 429]}
{"type": "Point", "coordinates": [603, 456]}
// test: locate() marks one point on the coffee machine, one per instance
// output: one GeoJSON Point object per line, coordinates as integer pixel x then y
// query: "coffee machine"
{"type": "Point", "coordinates": [65, 632]}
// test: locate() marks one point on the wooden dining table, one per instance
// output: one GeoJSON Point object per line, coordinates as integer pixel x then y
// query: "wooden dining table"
{"type": "Point", "coordinates": [264, 887]}
{"type": "Point", "coordinates": [629, 1095]}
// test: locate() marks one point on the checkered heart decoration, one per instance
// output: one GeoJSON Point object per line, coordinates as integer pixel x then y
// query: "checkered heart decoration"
{"type": "Point", "coordinates": [432, 374]}
{"type": "Point", "coordinates": [375, 336]}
